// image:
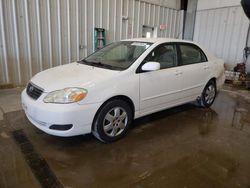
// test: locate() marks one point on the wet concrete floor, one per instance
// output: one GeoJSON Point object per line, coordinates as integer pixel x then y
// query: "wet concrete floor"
{"type": "Point", "coordinates": [186, 146]}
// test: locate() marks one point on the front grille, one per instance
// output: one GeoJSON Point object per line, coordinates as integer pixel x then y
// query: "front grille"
{"type": "Point", "coordinates": [33, 91]}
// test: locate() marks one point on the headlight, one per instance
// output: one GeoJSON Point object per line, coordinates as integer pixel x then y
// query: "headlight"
{"type": "Point", "coordinates": [67, 95]}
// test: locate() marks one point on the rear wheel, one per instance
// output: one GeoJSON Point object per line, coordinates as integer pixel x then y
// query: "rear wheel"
{"type": "Point", "coordinates": [112, 121]}
{"type": "Point", "coordinates": [208, 94]}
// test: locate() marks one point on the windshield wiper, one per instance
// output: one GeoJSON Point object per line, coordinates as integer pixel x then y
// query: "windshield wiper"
{"type": "Point", "coordinates": [93, 63]}
{"type": "Point", "coordinates": [84, 61]}
{"type": "Point", "coordinates": [100, 64]}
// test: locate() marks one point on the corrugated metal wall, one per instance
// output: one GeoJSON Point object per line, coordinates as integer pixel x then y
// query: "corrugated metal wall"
{"type": "Point", "coordinates": [39, 34]}
{"type": "Point", "coordinates": [223, 32]}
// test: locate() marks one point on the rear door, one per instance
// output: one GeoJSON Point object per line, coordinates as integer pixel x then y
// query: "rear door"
{"type": "Point", "coordinates": [195, 70]}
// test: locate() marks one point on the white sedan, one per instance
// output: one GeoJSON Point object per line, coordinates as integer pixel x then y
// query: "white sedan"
{"type": "Point", "coordinates": [125, 80]}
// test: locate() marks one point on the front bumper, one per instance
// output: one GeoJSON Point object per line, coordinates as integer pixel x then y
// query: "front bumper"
{"type": "Point", "coordinates": [44, 115]}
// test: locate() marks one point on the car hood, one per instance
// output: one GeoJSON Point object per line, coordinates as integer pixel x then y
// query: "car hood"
{"type": "Point", "coordinates": [71, 75]}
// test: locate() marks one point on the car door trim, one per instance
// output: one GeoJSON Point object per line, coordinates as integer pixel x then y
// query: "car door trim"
{"type": "Point", "coordinates": [173, 92]}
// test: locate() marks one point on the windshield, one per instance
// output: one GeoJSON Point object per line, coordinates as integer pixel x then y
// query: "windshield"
{"type": "Point", "coordinates": [118, 55]}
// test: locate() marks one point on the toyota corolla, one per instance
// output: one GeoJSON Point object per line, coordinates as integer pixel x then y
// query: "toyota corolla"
{"type": "Point", "coordinates": [125, 80]}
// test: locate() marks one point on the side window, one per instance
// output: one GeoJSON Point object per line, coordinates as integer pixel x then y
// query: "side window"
{"type": "Point", "coordinates": [165, 55]}
{"type": "Point", "coordinates": [191, 54]}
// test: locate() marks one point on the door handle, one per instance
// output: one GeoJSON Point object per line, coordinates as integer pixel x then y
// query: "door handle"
{"type": "Point", "coordinates": [206, 67]}
{"type": "Point", "coordinates": [178, 73]}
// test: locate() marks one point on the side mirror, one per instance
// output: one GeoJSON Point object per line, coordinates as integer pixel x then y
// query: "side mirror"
{"type": "Point", "coordinates": [151, 66]}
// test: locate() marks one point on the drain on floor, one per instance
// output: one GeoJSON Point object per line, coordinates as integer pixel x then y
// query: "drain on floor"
{"type": "Point", "coordinates": [37, 163]}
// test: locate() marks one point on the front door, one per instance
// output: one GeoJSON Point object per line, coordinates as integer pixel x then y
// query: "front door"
{"type": "Point", "coordinates": [160, 89]}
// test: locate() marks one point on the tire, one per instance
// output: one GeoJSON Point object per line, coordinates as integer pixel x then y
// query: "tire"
{"type": "Point", "coordinates": [112, 121]}
{"type": "Point", "coordinates": [208, 95]}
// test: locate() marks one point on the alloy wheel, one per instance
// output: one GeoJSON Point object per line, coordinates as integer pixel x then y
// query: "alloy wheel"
{"type": "Point", "coordinates": [115, 122]}
{"type": "Point", "coordinates": [210, 94]}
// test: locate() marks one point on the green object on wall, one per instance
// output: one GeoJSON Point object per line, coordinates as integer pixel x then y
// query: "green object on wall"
{"type": "Point", "coordinates": [99, 38]}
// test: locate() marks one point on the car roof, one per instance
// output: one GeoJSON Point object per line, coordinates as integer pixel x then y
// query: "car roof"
{"type": "Point", "coordinates": [158, 40]}
{"type": "Point", "coordinates": [164, 40]}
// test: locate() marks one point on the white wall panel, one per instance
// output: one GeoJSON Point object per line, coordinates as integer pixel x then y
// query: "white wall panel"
{"type": "Point", "coordinates": [223, 32]}
{"type": "Point", "coordinates": [212, 4]}
{"type": "Point", "coordinates": [39, 34]}
{"type": "Point", "coordinates": [167, 3]}
{"type": "Point", "coordinates": [4, 76]}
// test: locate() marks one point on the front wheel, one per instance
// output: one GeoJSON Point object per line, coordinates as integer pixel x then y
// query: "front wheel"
{"type": "Point", "coordinates": [112, 121]}
{"type": "Point", "coordinates": [208, 94]}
